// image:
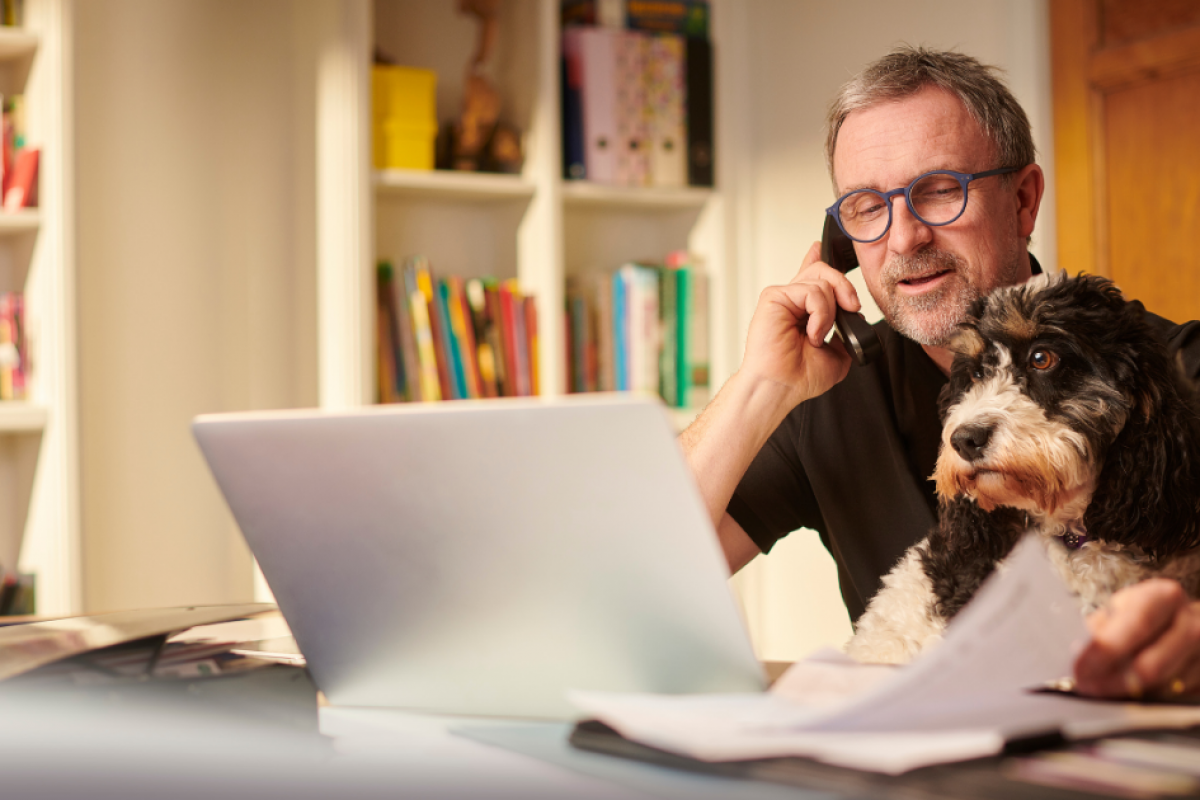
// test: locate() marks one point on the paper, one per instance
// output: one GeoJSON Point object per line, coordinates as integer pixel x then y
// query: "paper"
{"type": "Point", "coordinates": [962, 699]}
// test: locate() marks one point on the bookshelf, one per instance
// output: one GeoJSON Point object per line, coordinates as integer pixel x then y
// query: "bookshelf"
{"type": "Point", "coordinates": [39, 493]}
{"type": "Point", "coordinates": [535, 226]}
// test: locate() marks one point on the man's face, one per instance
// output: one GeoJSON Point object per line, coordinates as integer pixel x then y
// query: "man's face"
{"type": "Point", "coordinates": [922, 277]}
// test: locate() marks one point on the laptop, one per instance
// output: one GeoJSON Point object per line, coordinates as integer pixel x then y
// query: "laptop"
{"type": "Point", "coordinates": [483, 557]}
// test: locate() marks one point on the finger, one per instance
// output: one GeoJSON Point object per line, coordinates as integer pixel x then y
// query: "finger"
{"type": "Point", "coordinates": [1173, 655]}
{"type": "Point", "coordinates": [1135, 617]}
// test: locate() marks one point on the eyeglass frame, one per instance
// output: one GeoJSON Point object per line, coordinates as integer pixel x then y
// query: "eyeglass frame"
{"type": "Point", "coordinates": [964, 178]}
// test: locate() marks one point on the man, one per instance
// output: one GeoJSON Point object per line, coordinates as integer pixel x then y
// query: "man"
{"type": "Point", "coordinates": [798, 438]}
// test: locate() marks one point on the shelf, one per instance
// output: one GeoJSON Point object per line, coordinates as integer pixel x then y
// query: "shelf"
{"type": "Point", "coordinates": [582, 193]}
{"type": "Point", "coordinates": [447, 185]}
{"type": "Point", "coordinates": [14, 223]}
{"type": "Point", "coordinates": [16, 44]}
{"type": "Point", "coordinates": [21, 417]}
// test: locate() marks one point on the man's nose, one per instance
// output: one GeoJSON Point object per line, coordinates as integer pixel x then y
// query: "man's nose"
{"type": "Point", "coordinates": [908, 233]}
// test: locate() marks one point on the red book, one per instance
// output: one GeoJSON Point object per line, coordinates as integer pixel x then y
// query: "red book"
{"type": "Point", "coordinates": [21, 191]}
{"type": "Point", "coordinates": [508, 333]}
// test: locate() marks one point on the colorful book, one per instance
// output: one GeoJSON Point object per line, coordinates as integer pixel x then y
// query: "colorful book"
{"type": "Point", "coordinates": [439, 335]}
{"type": "Point", "coordinates": [665, 110]}
{"type": "Point", "coordinates": [450, 342]}
{"type": "Point", "coordinates": [429, 383]}
{"type": "Point", "coordinates": [633, 125]}
{"type": "Point", "coordinates": [508, 327]}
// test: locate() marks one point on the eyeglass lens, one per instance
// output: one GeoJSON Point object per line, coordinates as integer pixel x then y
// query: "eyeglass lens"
{"type": "Point", "coordinates": [936, 199]}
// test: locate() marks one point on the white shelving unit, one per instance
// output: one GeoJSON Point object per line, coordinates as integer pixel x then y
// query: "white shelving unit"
{"type": "Point", "coordinates": [535, 226]}
{"type": "Point", "coordinates": [39, 493]}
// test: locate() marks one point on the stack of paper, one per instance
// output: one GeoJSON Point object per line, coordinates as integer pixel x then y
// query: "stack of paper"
{"type": "Point", "coordinates": [965, 698]}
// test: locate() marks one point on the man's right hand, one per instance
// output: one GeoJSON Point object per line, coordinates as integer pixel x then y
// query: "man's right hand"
{"type": "Point", "coordinates": [786, 341]}
{"type": "Point", "coordinates": [787, 362]}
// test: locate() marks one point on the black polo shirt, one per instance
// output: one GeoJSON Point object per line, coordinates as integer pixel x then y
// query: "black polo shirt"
{"type": "Point", "coordinates": [854, 463]}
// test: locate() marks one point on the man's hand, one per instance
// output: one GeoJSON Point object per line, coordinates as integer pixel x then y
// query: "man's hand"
{"type": "Point", "coordinates": [1145, 643]}
{"type": "Point", "coordinates": [786, 341]}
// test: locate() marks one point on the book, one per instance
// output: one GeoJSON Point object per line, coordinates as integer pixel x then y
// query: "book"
{"type": "Point", "coordinates": [687, 17]}
{"type": "Point", "coordinates": [598, 71]}
{"type": "Point", "coordinates": [632, 127]}
{"type": "Point", "coordinates": [497, 336]}
{"type": "Point", "coordinates": [389, 381]}
{"type": "Point", "coordinates": [531, 337]}
{"type": "Point", "coordinates": [665, 110]}
{"type": "Point", "coordinates": [450, 343]}
{"type": "Point", "coordinates": [602, 299]}
{"type": "Point", "coordinates": [464, 336]}
{"type": "Point", "coordinates": [668, 302]}
{"type": "Point", "coordinates": [482, 335]}
{"type": "Point", "coordinates": [439, 336]}
{"type": "Point", "coordinates": [692, 329]}
{"type": "Point", "coordinates": [406, 333]}
{"type": "Point", "coordinates": [574, 163]}
{"type": "Point", "coordinates": [508, 328]}
{"type": "Point", "coordinates": [605, 13]}
{"type": "Point", "coordinates": [428, 383]}
{"type": "Point", "coordinates": [699, 81]}
{"type": "Point", "coordinates": [12, 346]}
{"type": "Point", "coordinates": [21, 191]}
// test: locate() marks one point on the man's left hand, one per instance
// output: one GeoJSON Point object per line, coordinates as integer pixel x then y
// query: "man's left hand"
{"type": "Point", "coordinates": [1145, 643]}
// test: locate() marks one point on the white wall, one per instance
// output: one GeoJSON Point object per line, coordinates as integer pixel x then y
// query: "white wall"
{"type": "Point", "coordinates": [196, 277]}
{"type": "Point", "coordinates": [798, 53]}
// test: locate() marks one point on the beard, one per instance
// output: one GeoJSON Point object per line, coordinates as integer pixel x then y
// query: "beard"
{"type": "Point", "coordinates": [932, 318]}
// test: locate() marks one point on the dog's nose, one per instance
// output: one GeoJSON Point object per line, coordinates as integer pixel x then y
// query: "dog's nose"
{"type": "Point", "coordinates": [970, 440]}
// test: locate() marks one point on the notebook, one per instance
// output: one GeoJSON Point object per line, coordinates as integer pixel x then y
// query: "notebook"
{"type": "Point", "coordinates": [483, 557]}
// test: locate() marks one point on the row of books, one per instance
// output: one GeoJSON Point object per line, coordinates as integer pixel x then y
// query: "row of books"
{"type": "Point", "coordinates": [14, 354]}
{"type": "Point", "coordinates": [637, 106]}
{"type": "Point", "coordinates": [642, 327]}
{"type": "Point", "coordinates": [450, 338]}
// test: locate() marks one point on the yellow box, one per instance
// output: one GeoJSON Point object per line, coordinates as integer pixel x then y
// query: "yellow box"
{"type": "Point", "coordinates": [403, 145]}
{"type": "Point", "coordinates": [403, 93]}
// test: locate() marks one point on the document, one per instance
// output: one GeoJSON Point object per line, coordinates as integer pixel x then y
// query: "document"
{"type": "Point", "coordinates": [964, 698]}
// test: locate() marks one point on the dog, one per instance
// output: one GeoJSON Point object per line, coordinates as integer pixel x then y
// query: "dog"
{"type": "Point", "coordinates": [1064, 414]}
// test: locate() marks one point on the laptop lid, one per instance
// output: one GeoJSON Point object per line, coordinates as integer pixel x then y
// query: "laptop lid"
{"type": "Point", "coordinates": [483, 557]}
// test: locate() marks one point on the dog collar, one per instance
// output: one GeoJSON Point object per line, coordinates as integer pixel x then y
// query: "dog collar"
{"type": "Point", "coordinates": [1074, 539]}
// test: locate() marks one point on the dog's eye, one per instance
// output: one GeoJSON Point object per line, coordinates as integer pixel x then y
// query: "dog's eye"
{"type": "Point", "coordinates": [977, 373]}
{"type": "Point", "coordinates": [1042, 359]}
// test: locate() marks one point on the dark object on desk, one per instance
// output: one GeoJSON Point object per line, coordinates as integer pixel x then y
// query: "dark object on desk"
{"type": "Point", "coordinates": [979, 779]}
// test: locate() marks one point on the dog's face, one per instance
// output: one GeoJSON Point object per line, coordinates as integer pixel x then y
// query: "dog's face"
{"type": "Point", "coordinates": [1042, 383]}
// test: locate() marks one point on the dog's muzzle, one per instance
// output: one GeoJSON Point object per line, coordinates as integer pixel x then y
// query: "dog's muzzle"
{"type": "Point", "coordinates": [969, 441]}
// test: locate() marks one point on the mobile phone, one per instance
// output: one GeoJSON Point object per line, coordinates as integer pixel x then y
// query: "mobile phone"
{"type": "Point", "coordinates": [837, 250]}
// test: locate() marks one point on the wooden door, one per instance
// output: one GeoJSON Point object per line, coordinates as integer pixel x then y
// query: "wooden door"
{"type": "Point", "coordinates": [1126, 78]}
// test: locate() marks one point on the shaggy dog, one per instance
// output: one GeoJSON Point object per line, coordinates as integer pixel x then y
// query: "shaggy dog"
{"type": "Point", "coordinates": [1065, 415]}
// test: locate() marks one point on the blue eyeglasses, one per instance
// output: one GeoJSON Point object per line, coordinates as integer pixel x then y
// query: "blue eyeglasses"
{"type": "Point", "coordinates": [935, 198]}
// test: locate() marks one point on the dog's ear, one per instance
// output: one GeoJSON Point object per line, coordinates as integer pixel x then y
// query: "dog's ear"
{"type": "Point", "coordinates": [1146, 494]}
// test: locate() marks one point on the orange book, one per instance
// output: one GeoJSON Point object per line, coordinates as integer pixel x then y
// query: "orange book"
{"type": "Point", "coordinates": [531, 335]}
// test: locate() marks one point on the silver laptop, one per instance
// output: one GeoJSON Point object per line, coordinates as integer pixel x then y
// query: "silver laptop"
{"type": "Point", "coordinates": [483, 557]}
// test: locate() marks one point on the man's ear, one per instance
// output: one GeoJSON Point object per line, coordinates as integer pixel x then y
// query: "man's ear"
{"type": "Point", "coordinates": [1031, 185]}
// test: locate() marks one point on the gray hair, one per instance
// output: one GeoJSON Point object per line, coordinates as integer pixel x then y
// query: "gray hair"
{"type": "Point", "coordinates": [906, 70]}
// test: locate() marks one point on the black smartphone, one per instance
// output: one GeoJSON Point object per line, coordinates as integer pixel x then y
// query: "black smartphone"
{"type": "Point", "coordinates": [859, 337]}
